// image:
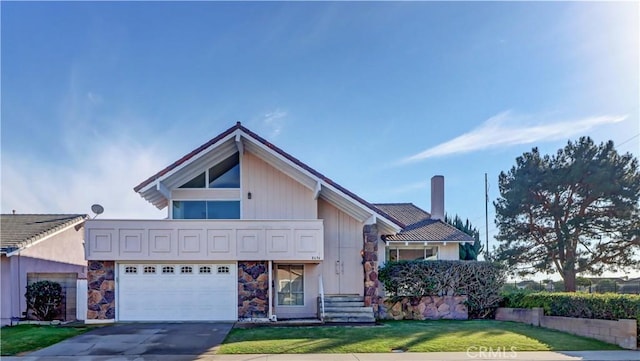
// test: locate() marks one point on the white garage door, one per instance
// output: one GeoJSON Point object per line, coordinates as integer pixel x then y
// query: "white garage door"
{"type": "Point", "coordinates": [177, 292]}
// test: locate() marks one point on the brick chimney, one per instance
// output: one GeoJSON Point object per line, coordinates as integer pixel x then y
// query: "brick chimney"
{"type": "Point", "coordinates": [437, 197]}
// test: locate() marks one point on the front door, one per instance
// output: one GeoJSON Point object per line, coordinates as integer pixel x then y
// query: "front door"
{"type": "Point", "coordinates": [342, 271]}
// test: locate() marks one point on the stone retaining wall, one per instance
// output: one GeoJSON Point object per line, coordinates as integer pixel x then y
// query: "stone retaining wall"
{"type": "Point", "coordinates": [423, 308]}
{"type": "Point", "coordinates": [623, 333]}
{"type": "Point", "coordinates": [253, 290]}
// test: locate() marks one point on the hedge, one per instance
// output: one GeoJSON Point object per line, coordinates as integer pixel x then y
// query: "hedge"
{"type": "Point", "coordinates": [606, 306]}
{"type": "Point", "coordinates": [479, 281]}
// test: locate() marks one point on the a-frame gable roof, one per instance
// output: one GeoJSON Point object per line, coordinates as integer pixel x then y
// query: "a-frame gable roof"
{"type": "Point", "coordinates": [237, 138]}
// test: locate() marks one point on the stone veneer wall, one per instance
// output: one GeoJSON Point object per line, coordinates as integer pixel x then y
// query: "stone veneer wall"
{"type": "Point", "coordinates": [424, 308]}
{"type": "Point", "coordinates": [101, 301]}
{"type": "Point", "coordinates": [406, 308]}
{"type": "Point", "coordinates": [370, 264]}
{"type": "Point", "coordinates": [253, 289]}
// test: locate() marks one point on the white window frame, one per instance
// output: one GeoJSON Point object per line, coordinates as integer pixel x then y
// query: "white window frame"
{"type": "Point", "coordinates": [204, 200]}
{"type": "Point", "coordinates": [241, 199]}
{"type": "Point", "coordinates": [398, 247]}
{"type": "Point", "coordinates": [304, 286]}
{"type": "Point", "coordinates": [206, 176]}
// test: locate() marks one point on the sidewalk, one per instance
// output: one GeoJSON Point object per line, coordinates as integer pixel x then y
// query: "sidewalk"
{"type": "Point", "coordinates": [408, 356]}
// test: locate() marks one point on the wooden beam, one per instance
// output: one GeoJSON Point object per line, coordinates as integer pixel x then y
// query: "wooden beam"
{"type": "Point", "coordinates": [239, 144]}
{"type": "Point", "coordinates": [163, 190]}
{"type": "Point", "coordinates": [316, 191]}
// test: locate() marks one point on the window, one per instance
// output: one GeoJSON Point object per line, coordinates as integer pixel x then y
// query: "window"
{"type": "Point", "coordinates": [168, 269]}
{"type": "Point", "coordinates": [223, 210]}
{"type": "Point", "coordinates": [223, 269]}
{"type": "Point", "coordinates": [206, 209]}
{"type": "Point", "coordinates": [290, 285]}
{"type": "Point", "coordinates": [186, 269]}
{"type": "Point", "coordinates": [131, 269]}
{"type": "Point", "coordinates": [149, 269]}
{"type": "Point", "coordinates": [189, 210]}
{"type": "Point", "coordinates": [225, 174]}
{"type": "Point", "coordinates": [196, 182]}
{"type": "Point", "coordinates": [429, 253]}
{"type": "Point", "coordinates": [205, 269]}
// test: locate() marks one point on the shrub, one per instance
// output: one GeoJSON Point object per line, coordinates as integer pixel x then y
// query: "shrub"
{"type": "Point", "coordinates": [607, 306]}
{"type": "Point", "coordinates": [44, 299]}
{"type": "Point", "coordinates": [479, 281]}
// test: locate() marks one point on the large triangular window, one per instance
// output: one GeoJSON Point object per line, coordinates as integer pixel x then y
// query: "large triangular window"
{"type": "Point", "coordinates": [225, 174]}
{"type": "Point", "coordinates": [196, 182]}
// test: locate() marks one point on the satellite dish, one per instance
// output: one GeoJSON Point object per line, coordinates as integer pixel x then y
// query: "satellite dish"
{"type": "Point", "coordinates": [97, 209]}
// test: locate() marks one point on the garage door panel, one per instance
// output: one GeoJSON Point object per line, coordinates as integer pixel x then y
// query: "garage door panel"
{"type": "Point", "coordinates": [184, 295]}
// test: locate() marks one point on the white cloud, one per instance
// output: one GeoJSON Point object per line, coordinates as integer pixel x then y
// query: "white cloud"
{"type": "Point", "coordinates": [500, 131]}
{"type": "Point", "coordinates": [97, 161]}
{"type": "Point", "coordinates": [274, 122]}
{"type": "Point", "coordinates": [106, 174]}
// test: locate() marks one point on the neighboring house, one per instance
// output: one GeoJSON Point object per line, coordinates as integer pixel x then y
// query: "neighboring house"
{"type": "Point", "coordinates": [529, 284]}
{"type": "Point", "coordinates": [38, 247]}
{"type": "Point", "coordinates": [612, 284]}
{"type": "Point", "coordinates": [424, 236]}
{"type": "Point", "coordinates": [631, 285]}
{"type": "Point", "coordinates": [252, 233]}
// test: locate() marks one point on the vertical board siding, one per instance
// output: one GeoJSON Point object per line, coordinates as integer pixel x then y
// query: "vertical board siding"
{"type": "Point", "coordinates": [274, 195]}
{"type": "Point", "coordinates": [351, 243]}
{"type": "Point", "coordinates": [327, 213]}
{"type": "Point", "coordinates": [342, 242]}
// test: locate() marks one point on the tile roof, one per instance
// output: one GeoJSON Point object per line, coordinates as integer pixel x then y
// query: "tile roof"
{"type": "Point", "coordinates": [19, 230]}
{"type": "Point", "coordinates": [419, 227]}
{"type": "Point", "coordinates": [406, 213]}
{"type": "Point", "coordinates": [286, 155]}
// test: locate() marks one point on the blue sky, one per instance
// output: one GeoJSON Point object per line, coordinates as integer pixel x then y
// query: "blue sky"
{"type": "Point", "coordinates": [378, 96]}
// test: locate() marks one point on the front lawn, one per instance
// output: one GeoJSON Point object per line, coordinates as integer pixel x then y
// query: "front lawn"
{"type": "Point", "coordinates": [411, 336]}
{"type": "Point", "coordinates": [24, 338]}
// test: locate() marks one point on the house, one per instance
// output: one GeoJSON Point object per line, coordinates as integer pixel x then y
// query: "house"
{"type": "Point", "coordinates": [36, 247]}
{"type": "Point", "coordinates": [251, 233]}
{"type": "Point", "coordinates": [611, 284]}
{"type": "Point", "coordinates": [424, 236]}
{"type": "Point", "coordinates": [630, 285]}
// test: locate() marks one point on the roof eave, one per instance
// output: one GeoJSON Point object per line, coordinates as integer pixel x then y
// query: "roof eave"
{"type": "Point", "coordinates": [32, 241]}
{"type": "Point", "coordinates": [150, 189]}
{"type": "Point", "coordinates": [428, 241]}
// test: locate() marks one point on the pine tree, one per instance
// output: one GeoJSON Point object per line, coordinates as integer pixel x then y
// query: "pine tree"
{"type": "Point", "coordinates": [576, 211]}
{"type": "Point", "coordinates": [468, 252]}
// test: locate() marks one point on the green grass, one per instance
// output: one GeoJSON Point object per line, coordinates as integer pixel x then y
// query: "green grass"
{"type": "Point", "coordinates": [412, 336]}
{"type": "Point", "coordinates": [23, 338]}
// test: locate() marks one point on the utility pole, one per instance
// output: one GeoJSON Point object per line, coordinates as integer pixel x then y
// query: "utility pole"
{"type": "Point", "coordinates": [486, 214]}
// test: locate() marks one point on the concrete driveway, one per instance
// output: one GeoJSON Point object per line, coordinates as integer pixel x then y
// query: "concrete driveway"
{"type": "Point", "coordinates": [176, 341]}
